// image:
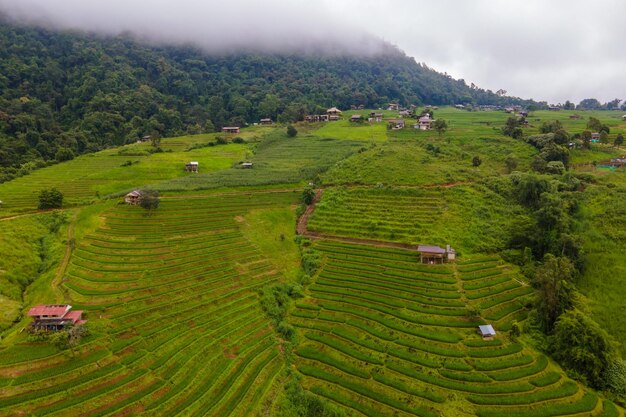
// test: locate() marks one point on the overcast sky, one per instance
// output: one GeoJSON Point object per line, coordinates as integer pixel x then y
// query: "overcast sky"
{"type": "Point", "coordinates": [550, 50]}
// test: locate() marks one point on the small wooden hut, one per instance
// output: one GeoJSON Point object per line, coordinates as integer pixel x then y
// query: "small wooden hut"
{"type": "Point", "coordinates": [133, 198]}
{"type": "Point", "coordinates": [192, 166]}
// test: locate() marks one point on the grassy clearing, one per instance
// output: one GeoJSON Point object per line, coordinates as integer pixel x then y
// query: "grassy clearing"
{"type": "Point", "coordinates": [277, 160]}
{"type": "Point", "coordinates": [273, 232]}
{"type": "Point", "coordinates": [344, 129]}
{"type": "Point", "coordinates": [605, 276]}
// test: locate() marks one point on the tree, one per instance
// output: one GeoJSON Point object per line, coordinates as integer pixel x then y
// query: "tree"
{"type": "Point", "coordinates": [440, 125]}
{"type": "Point", "coordinates": [604, 137]}
{"type": "Point", "coordinates": [64, 154]}
{"type": "Point", "coordinates": [308, 195]}
{"type": "Point", "coordinates": [582, 346]}
{"type": "Point", "coordinates": [511, 164]}
{"type": "Point", "coordinates": [555, 167]}
{"type": "Point", "coordinates": [291, 131]}
{"type": "Point", "coordinates": [538, 164]}
{"type": "Point", "coordinates": [619, 140]}
{"type": "Point", "coordinates": [476, 161]}
{"type": "Point", "coordinates": [586, 138]}
{"type": "Point", "coordinates": [155, 139]}
{"type": "Point", "coordinates": [512, 128]}
{"type": "Point", "coordinates": [149, 200]}
{"type": "Point", "coordinates": [554, 290]}
{"type": "Point", "coordinates": [552, 126]}
{"type": "Point", "coordinates": [51, 198]}
{"type": "Point", "coordinates": [594, 124]}
{"type": "Point", "coordinates": [589, 104]}
{"type": "Point", "coordinates": [561, 137]}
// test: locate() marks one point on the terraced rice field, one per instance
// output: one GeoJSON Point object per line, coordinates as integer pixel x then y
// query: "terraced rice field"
{"type": "Point", "coordinates": [378, 213]}
{"type": "Point", "coordinates": [495, 289]}
{"type": "Point", "coordinates": [173, 306]}
{"type": "Point", "coordinates": [382, 335]}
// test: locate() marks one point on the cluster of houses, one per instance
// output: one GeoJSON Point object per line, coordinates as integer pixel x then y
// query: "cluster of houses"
{"type": "Point", "coordinates": [333, 114]}
{"type": "Point", "coordinates": [55, 317]}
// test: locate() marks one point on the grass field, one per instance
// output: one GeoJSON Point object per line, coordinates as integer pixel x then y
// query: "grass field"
{"type": "Point", "coordinates": [90, 176]}
{"type": "Point", "coordinates": [277, 160]}
{"type": "Point", "coordinates": [382, 335]}
{"type": "Point", "coordinates": [344, 129]}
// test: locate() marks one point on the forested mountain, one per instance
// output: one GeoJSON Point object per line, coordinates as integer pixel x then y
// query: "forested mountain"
{"type": "Point", "coordinates": [64, 93]}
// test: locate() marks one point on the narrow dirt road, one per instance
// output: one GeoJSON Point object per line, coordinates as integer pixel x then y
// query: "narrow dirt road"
{"type": "Point", "coordinates": [301, 228]}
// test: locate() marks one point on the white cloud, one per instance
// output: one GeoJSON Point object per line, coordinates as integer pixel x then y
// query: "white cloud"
{"type": "Point", "coordinates": [548, 50]}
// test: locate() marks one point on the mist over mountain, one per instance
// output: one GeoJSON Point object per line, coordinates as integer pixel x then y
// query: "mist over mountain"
{"type": "Point", "coordinates": [67, 92]}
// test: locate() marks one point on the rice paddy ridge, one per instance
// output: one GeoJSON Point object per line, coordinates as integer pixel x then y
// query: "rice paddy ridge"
{"type": "Point", "coordinates": [179, 331]}
{"type": "Point", "coordinates": [382, 335]}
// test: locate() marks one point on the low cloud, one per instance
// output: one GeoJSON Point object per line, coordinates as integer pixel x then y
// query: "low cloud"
{"type": "Point", "coordinates": [554, 51]}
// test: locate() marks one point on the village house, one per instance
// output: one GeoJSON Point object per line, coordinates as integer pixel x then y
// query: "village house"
{"type": "Point", "coordinates": [393, 106]}
{"type": "Point", "coordinates": [55, 316]}
{"type": "Point", "coordinates": [333, 118]}
{"type": "Point", "coordinates": [595, 137]}
{"type": "Point", "coordinates": [231, 129]}
{"type": "Point", "coordinates": [487, 332]}
{"type": "Point", "coordinates": [618, 162]}
{"type": "Point", "coordinates": [435, 254]}
{"type": "Point", "coordinates": [316, 118]}
{"type": "Point", "coordinates": [191, 166]}
{"type": "Point", "coordinates": [404, 113]}
{"type": "Point", "coordinates": [424, 123]}
{"type": "Point", "coordinates": [247, 165]}
{"type": "Point", "coordinates": [266, 121]}
{"type": "Point", "coordinates": [458, 106]}
{"type": "Point", "coordinates": [575, 116]}
{"type": "Point", "coordinates": [146, 138]}
{"type": "Point", "coordinates": [509, 110]}
{"type": "Point", "coordinates": [375, 117]}
{"type": "Point", "coordinates": [133, 198]}
{"type": "Point", "coordinates": [396, 124]}
{"type": "Point", "coordinates": [624, 117]}
{"type": "Point", "coordinates": [356, 118]}
{"type": "Point", "coordinates": [333, 111]}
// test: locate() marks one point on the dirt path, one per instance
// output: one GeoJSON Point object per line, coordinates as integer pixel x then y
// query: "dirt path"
{"type": "Point", "coordinates": [58, 276]}
{"type": "Point", "coordinates": [301, 228]}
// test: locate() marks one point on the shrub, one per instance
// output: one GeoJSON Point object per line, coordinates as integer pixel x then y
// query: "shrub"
{"type": "Point", "coordinates": [149, 200]}
{"type": "Point", "coordinates": [308, 195]}
{"type": "Point", "coordinates": [51, 198]}
{"type": "Point", "coordinates": [239, 140]}
{"type": "Point", "coordinates": [476, 161]}
{"type": "Point", "coordinates": [291, 131]}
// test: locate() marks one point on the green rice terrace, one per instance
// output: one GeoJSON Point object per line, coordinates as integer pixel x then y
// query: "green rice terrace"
{"type": "Point", "coordinates": [295, 288]}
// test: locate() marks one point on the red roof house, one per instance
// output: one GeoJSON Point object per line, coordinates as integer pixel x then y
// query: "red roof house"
{"type": "Point", "coordinates": [55, 316]}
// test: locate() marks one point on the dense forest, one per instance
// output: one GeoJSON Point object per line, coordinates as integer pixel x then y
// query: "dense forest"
{"type": "Point", "coordinates": [67, 93]}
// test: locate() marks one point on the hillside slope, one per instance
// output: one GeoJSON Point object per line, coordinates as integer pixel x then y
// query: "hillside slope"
{"type": "Point", "coordinates": [80, 92]}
